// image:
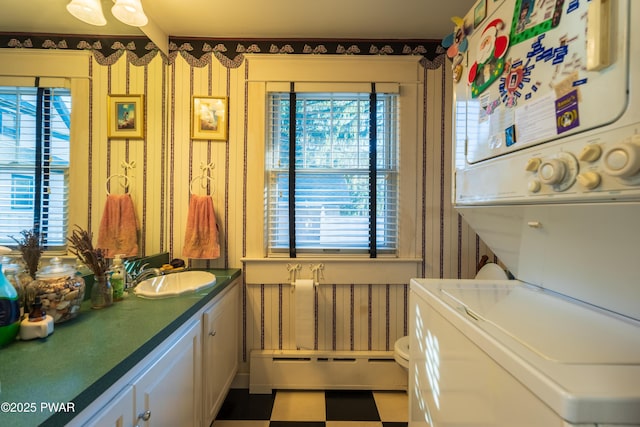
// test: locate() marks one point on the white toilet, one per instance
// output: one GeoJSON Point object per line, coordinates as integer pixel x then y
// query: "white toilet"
{"type": "Point", "coordinates": [491, 271]}
{"type": "Point", "coordinates": [401, 352]}
{"type": "Point", "coordinates": [401, 348]}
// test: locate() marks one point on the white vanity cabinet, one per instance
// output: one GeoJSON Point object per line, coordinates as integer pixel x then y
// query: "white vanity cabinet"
{"type": "Point", "coordinates": [168, 392]}
{"type": "Point", "coordinates": [165, 393]}
{"type": "Point", "coordinates": [219, 350]}
{"type": "Point", "coordinates": [183, 381]}
{"type": "Point", "coordinates": [117, 413]}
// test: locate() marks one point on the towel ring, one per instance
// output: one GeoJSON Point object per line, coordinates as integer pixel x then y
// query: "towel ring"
{"type": "Point", "coordinates": [202, 179]}
{"type": "Point", "coordinates": [124, 184]}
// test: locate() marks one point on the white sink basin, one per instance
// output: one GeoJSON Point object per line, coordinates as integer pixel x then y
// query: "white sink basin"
{"type": "Point", "coordinates": [174, 284]}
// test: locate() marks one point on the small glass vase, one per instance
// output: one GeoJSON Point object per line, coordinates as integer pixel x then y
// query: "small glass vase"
{"type": "Point", "coordinates": [101, 292]}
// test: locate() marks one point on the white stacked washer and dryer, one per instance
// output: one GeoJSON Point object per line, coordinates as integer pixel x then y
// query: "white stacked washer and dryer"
{"type": "Point", "coordinates": [547, 172]}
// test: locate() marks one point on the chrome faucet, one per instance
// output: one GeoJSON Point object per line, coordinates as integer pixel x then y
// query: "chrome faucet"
{"type": "Point", "coordinates": [142, 274]}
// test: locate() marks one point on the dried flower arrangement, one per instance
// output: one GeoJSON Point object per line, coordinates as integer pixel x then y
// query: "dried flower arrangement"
{"type": "Point", "coordinates": [81, 246]}
{"type": "Point", "coordinates": [29, 247]}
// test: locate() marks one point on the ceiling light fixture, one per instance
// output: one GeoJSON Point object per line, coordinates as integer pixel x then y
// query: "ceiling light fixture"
{"type": "Point", "coordinates": [130, 12]}
{"type": "Point", "coordinates": [89, 11]}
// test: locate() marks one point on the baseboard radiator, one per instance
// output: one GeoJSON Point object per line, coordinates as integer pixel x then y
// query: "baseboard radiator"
{"type": "Point", "coordinates": [324, 370]}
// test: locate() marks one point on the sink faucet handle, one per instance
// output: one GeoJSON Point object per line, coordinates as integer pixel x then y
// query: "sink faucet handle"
{"type": "Point", "coordinates": [142, 268]}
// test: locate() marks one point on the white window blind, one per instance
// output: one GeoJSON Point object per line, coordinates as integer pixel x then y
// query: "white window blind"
{"type": "Point", "coordinates": [34, 163]}
{"type": "Point", "coordinates": [333, 201]}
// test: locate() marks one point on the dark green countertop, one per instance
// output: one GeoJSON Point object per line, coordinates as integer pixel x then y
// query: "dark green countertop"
{"type": "Point", "coordinates": [86, 355]}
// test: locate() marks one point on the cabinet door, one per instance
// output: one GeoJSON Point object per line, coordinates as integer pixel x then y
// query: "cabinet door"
{"type": "Point", "coordinates": [169, 392]}
{"type": "Point", "coordinates": [117, 413]}
{"type": "Point", "coordinates": [220, 351]}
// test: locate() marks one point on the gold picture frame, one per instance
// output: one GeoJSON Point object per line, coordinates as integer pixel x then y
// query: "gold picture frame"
{"type": "Point", "coordinates": [125, 116]}
{"type": "Point", "coordinates": [209, 118]}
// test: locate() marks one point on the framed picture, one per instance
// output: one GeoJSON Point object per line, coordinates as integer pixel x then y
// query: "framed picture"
{"type": "Point", "coordinates": [479, 13]}
{"type": "Point", "coordinates": [209, 118]}
{"type": "Point", "coordinates": [125, 116]}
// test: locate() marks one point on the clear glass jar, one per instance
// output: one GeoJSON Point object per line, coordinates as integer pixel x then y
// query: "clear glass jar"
{"type": "Point", "coordinates": [60, 288]}
{"type": "Point", "coordinates": [101, 292]}
{"type": "Point", "coordinates": [17, 275]}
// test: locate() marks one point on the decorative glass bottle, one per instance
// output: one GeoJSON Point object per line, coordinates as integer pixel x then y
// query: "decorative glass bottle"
{"type": "Point", "coordinates": [101, 292]}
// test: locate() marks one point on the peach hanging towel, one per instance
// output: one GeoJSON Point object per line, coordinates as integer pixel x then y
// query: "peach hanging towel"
{"type": "Point", "coordinates": [118, 232]}
{"type": "Point", "coordinates": [201, 238]}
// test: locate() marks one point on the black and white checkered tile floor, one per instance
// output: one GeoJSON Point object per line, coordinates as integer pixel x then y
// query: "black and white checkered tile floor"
{"type": "Point", "coordinates": [313, 409]}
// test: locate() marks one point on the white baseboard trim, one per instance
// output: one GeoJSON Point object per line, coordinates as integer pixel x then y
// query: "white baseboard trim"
{"type": "Point", "coordinates": [324, 370]}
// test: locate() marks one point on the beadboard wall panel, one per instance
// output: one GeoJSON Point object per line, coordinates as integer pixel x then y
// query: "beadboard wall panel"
{"type": "Point", "coordinates": [346, 317]}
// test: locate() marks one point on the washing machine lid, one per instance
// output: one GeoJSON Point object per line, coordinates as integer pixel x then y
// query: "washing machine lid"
{"type": "Point", "coordinates": [554, 327]}
{"type": "Point", "coordinates": [582, 362]}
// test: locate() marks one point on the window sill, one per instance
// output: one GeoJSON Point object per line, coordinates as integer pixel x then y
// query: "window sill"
{"type": "Point", "coordinates": [336, 270]}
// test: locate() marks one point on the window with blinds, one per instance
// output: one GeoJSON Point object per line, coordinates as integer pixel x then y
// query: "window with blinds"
{"type": "Point", "coordinates": [332, 174]}
{"type": "Point", "coordinates": [34, 163]}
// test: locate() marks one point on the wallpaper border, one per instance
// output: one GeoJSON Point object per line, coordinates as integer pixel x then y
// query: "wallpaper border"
{"type": "Point", "coordinates": [230, 53]}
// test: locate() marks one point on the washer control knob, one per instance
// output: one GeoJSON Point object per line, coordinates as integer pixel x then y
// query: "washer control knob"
{"type": "Point", "coordinates": [590, 153]}
{"type": "Point", "coordinates": [552, 171]}
{"type": "Point", "coordinates": [589, 180]}
{"type": "Point", "coordinates": [533, 164]}
{"type": "Point", "coordinates": [622, 160]}
{"type": "Point", "coordinates": [534, 186]}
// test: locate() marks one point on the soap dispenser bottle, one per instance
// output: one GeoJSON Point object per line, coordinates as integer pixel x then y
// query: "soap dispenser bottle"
{"type": "Point", "coordinates": [9, 311]}
{"type": "Point", "coordinates": [117, 278]}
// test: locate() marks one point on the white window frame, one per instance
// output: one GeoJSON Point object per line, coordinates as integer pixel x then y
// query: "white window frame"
{"type": "Point", "coordinates": [271, 73]}
{"type": "Point", "coordinates": [68, 69]}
